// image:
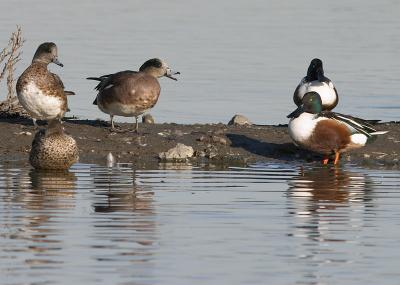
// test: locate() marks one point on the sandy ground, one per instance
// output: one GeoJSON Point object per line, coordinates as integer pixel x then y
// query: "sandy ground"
{"type": "Point", "coordinates": [216, 143]}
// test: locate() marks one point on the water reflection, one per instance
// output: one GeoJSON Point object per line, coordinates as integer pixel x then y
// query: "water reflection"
{"type": "Point", "coordinates": [318, 195]}
{"type": "Point", "coordinates": [125, 228]}
{"type": "Point", "coordinates": [117, 190]}
{"type": "Point", "coordinates": [98, 225]}
{"type": "Point", "coordinates": [41, 197]}
{"type": "Point", "coordinates": [330, 206]}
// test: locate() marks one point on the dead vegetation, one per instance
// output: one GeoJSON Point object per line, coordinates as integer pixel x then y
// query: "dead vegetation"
{"type": "Point", "coordinates": [9, 56]}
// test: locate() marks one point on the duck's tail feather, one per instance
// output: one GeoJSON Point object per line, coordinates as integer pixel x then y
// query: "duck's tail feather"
{"type": "Point", "coordinates": [377, 133]}
{"type": "Point", "coordinates": [95, 101]}
{"type": "Point", "coordinates": [69, 93]}
{"type": "Point", "coordinates": [94, 78]}
{"type": "Point", "coordinates": [373, 122]}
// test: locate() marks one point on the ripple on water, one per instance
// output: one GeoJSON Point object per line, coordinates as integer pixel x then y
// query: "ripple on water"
{"type": "Point", "coordinates": [283, 223]}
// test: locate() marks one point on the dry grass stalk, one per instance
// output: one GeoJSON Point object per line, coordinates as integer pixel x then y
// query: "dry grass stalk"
{"type": "Point", "coordinates": [12, 54]}
{"type": "Point", "coordinates": [9, 56]}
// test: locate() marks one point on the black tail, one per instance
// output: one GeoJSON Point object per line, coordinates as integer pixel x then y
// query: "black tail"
{"type": "Point", "coordinates": [95, 101]}
{"type": "Point", "coordinates": [68, 93]}
{"type": "Point", "coordinates": [94, 78]}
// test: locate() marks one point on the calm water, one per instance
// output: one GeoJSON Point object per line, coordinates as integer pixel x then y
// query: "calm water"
{"type": "Point", "coordinates": [275, 224]}
{"type": "Point", "coordinates": [235, 56]}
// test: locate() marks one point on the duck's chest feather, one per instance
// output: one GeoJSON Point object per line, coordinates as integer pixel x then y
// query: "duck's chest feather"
{"type": "Point", "coordinates": [39, 104]}
{"type": "Point", "coordinates": [41, 93]}
{"type": "Point", "coordinates": [319, 134]}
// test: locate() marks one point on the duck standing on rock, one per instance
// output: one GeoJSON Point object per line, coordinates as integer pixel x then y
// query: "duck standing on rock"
{"type": "Point", "coordinates": [41, 92]}
{"type": "Point", "coordinates": [327, 132]}
{"type": "Point", "coordinates": [53, 149]}
{"type": "Point", "coordinates": [316, 81]}
{"type": "Point", "coordinates": [131, 93]}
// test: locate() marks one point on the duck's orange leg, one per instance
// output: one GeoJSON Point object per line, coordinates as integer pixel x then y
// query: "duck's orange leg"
{"type": "Point", "coordinates": [325, 161]}
{"type": "Point", "coordinates": [337, 155]}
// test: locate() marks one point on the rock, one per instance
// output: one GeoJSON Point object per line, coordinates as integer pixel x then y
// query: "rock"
{"type": "Point", "coordinates": [239, 120]}
{"type": "Point", "coordinates": [147, 119]}
{"type": "Point", "coordinates": [200, 153]}
{"type": "Point", "coordinates": [211, 151]}
{"type": "Point", "coordinates": [178, 153]}
{"type": "Point", "coordinates": [178, 133]}
{"type": "Point", "coordinates": [220, 140]}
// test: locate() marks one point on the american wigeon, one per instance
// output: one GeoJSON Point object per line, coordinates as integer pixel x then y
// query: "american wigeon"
{"type": "Point", "coordinates": [317, 82]}
{"type": "Point", "coordinates": [327, 132]}
{"type": "Point", "coordinates": [131, 93]}
{"type": "Point", "coordinates": [41, 92]}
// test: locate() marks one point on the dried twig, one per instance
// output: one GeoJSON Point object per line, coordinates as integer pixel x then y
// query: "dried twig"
{"type": "Point", "coordinates": [9, 56]}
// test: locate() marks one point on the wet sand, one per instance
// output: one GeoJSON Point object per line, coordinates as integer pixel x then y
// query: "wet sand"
{"type": "Point", "coordinates": [216, 144]}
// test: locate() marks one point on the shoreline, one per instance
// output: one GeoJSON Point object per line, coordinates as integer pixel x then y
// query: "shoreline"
{"type": "Point", "coordinates": [217, 144]}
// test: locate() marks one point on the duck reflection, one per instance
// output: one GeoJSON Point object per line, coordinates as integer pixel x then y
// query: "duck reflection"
{"type": "Point", "coordinates": [117, 190]}
{"type": "Point", "coordinates": [40, 197]}
{"type": "Point", "coordinates": [325, 199]}
{"type": "Point", "coordinates": [125, 219]}
{"type": "Point", "coordinates": [329, 206]}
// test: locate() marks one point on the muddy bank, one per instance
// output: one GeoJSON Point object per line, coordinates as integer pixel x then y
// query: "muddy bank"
{"type": "Point", "coordinates": [215, 143]}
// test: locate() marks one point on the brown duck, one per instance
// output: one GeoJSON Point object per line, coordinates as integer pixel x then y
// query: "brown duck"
{"type": "Point", "coordinates": [41, 92]}
{"type": "Point", "coordinates": [131, 93]}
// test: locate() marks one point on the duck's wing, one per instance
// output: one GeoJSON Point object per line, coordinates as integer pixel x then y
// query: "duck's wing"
{"type": "Point", "coordinates": [59, 82]}
{"type": "Point", "coordinates": [357, 125]}
{"type": "Point", "coordinates": [106, 81]}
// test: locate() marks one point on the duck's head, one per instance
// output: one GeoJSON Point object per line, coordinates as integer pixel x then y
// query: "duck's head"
{"type": "Point", "coordinates": [47, 53]}
{"type": "Point", "coordinates": [158, 68]}
{"type": "Point", "coordinates": [315, 70]}
{"type": "Point", "coordinates": [311, 103]}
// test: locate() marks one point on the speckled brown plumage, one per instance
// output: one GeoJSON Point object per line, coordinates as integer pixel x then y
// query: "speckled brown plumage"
{"type": "Point", "coordinates": [49, 83]}
{"type": "Point", "coordinates": [39, 91]}
{"type": "Point", "coordinates": [53, 150]}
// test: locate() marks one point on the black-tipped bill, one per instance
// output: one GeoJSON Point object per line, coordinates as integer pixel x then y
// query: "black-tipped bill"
{"type": "Point", "coordinates": [169, 74]}
{"type": "Point", "coordinates": [296, 112]}
{"type": "Point", "coordinates": [56, 61]}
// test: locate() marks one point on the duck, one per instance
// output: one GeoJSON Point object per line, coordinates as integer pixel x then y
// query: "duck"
{"type": "Point", "coordinates": [131, 93]}
{"type": "Point", "coordinates": [326, 132]}
{"type": "Point", "coordinates": [315, 80]}
{"type": "Point", "coordinates": [40, 92]}
{"type": "Point", "coordinates": [53, 149]}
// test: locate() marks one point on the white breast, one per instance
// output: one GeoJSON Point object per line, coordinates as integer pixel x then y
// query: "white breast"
{"type": "Point", "coordinates": [325, 90]}
{"type": "Point", "coordinates": [39, 105]}
{"type": "Point", "coordinates": [302, 127]}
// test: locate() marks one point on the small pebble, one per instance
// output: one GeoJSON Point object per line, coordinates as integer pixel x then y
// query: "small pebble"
{"type": "Point", "coordinates": [25, 133]}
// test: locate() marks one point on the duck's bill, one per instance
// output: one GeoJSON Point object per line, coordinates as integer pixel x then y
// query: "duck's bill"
{"type": "Point", "coordinates": [296, 112]}
{"type": "Point", "coordinates": [56, 61]}
{"type": "Point", "coordinates": [171, 75]}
